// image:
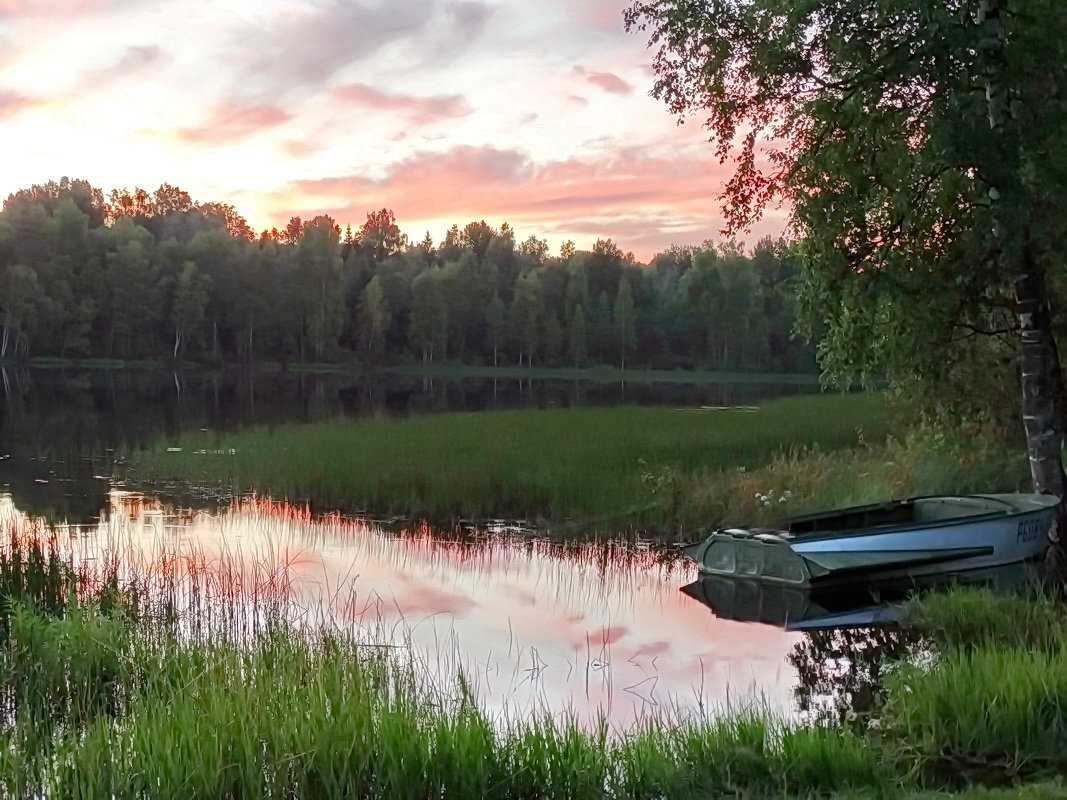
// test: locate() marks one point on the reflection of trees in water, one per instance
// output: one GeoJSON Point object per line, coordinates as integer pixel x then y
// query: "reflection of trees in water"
{"type": "Point", "coordinates": [60, 428]}
{"type": "Point", "coordinates": [841, 671]}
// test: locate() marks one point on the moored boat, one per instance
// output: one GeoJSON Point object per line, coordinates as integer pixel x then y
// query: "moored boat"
{"type": "Point", "coordinates": [917, 536]}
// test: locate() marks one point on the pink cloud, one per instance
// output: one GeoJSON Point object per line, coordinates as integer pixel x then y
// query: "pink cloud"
{"type": "Point", "coordinates": [133, 61]}
{"type": "Point", "coordinates": [230, 123]}
{"type": "Point", "coordinates": [605, 15]}
{"type": "Point", "coordinates": [421, 110]}
{"type": "Point", "coordinates": [480, 180]}
{"type": "Point", "coordinates": [607, 81]}
{"type": "Point", "coordinates": [15, 9]}
{"type": "Point", "coordinates": [12, 103]}
{"type": "Point", "coordinates": [644, 202]}
{"type": "Point", "coordinates": [306, 44]}
{"type": "Point", "coordinates": [294, 148]}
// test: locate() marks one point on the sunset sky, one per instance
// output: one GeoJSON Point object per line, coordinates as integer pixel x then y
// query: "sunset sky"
{"type": "Point", "coordinates": [445, 111]}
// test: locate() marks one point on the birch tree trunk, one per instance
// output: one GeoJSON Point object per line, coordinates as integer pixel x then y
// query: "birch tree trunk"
{"type": "Point", "coordinates": [1041, 372]}
{"type": "Point", "coordinates": [1042, 384]}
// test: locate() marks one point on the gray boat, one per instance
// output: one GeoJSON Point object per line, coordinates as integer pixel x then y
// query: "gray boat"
{"type": "Point", "coordinates": [917, 536]}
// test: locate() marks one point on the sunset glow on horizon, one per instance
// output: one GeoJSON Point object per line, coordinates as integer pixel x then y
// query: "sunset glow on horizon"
{"type": "Point", "coordinates": [445, 111]}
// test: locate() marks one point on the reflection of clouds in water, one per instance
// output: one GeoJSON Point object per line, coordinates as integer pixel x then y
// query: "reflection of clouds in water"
{"type": "Point", "coordinates": [422, 599]}
{"type": "Point", "coordinates": [532, 625]}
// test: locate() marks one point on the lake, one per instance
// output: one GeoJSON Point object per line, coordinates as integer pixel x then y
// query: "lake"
{"type": "Point", "coordinates": [533, 624]}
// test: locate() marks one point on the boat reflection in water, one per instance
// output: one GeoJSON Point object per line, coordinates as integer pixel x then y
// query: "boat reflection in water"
{"type": "Point", "coordinates": [869, 603]}
{"type": "Point", "coordinates": [849, 639]}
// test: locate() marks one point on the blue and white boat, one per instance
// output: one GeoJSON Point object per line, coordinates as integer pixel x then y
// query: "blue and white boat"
{"type": "Point", "coordinates": [917, 536]}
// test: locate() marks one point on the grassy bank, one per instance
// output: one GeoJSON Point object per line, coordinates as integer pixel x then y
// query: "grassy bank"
{"type": "Point", "coordinates": [219, 720]}
{"type": "Point", "coordinates": [803, 479]}
{"type": "Point", "coordinates": [660, 470]}
{"type": "Point", "coordinates": [110, 688]}
{"type": "Point", "coordinates": [610, 466]}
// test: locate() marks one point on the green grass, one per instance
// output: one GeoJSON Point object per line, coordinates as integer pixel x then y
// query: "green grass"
{"type": "Point", "coordinates": [658, 470]}
{"type": "Point", "coordinates": [303, 717]}
{"type": "Point", "coordinates": [990, 704]}
{"type": "Point", "coordinates": [113, 692]}
{"type": "Point", "coordinates": [990, 715]}
{"type": "Point", "coordinates": [962, 619]}
{"type": "Point", "coordinates": [52, 362]}
{"type": "Point", "coordinates": [814, 478]}
{"type": "Point", "coordinates": [1041, 790]}
{"type": "Point", "coordinates": [612, 467]}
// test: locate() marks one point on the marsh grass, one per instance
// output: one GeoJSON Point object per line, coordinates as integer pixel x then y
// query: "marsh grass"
{"type": "Point", "coordinates": [963, 619]}
{"type": "Point", "coordinates": [110, 688]}
{"type": "Point", "coordinates": [117, 693]}
{"type": "Point", "coordinates": [987, 715]}
{"type": "Point", "coordinates": [807, 478]}
{"type": "Point", "coordinates": [302, 717]}
{"type": "Point", "coordinates": [657, 470]}
{"type": "Point", "coordinates": [589, 467]}
{"type": "Point", "coordinates": [989, 704]}
{"type": "Point", "coordinates": [608, 374]}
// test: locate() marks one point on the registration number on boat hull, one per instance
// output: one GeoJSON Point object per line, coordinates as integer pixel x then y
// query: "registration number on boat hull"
{"type": "Point", "coordinates": [1030, 530]}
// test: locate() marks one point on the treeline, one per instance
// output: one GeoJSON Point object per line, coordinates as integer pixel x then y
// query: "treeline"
{"type": "Point", "coordinates": [157, 276]}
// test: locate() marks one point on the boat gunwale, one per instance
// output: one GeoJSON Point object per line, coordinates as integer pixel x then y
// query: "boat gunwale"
{"type": "Point", "coordinates": [1010, 512]}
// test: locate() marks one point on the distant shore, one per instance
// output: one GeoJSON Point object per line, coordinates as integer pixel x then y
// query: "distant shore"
{"type": "Point", "coordinates": [599, 374]}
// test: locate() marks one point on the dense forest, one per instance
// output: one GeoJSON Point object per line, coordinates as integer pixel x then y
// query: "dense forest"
{"type": "Point", "coordinates": [141, 275]}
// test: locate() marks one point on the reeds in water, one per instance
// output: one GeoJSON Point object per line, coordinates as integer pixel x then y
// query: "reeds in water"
{"type": "Point", "coordinates": [116, 692]}
{"type": "Point", "coordinates": [606, 468]}
{"type": "Point", "coordinates": [103, 695]}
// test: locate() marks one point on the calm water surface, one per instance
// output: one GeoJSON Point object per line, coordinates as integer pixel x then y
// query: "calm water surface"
{"type": "Point", "coordinates": [532, 624]}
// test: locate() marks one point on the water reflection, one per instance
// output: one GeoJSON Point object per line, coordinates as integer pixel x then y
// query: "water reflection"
{"type": "Point", "coordinates": [850, 638]}
{"type": "Point", "coordinates": [793, 608]}
{"type": "Point", "coordinates": [593, 629]}
{"type": "Point", "coordinates": [840, 672]}
{"type": "Point", "coordinates": [867, 602]}
{"type": "Point", "coordinates": [60, 430]}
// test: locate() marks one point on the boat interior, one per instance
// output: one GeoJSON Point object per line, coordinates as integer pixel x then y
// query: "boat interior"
{"type": "Point", "coordinates": [900, 513]}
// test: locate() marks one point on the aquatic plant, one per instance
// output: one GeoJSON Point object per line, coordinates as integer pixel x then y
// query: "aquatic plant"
{"type": "Point", "coordinates": [141, 685]}
{"type": "Point", "coordinates": [577, 468]}
{"type": "Point", "coordinates": [816, 477]}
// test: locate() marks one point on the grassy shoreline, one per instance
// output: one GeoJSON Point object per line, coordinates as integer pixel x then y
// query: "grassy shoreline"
{"type": "Point", "coordinates": [110, 689]}
{"type": "Point", "coordinates": [654, 471]}
{"type": "Point", "coordinates": [617, 468]}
